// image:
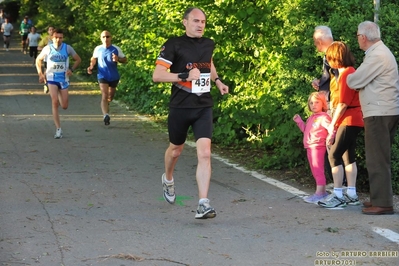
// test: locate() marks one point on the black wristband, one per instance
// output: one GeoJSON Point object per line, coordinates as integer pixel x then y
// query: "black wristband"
{"type": "Point", "coordinates": [71, 69]}
{"type": "Point", "coordinates": [183, 76]}
{"type": "Point", "coordinates": [217, 79]}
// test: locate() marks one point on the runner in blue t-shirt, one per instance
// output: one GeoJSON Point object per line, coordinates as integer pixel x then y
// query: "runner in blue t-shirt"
{"type": "Point", "coordinates": [107, 56]}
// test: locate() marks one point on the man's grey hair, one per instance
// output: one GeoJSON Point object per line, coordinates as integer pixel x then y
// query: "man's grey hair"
{"type": "Point", "coordinates": [370, 30]}
{"type": "Point", "coordinates": [323, 33]}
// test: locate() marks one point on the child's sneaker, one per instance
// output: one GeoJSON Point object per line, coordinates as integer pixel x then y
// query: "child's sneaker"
{"type": "Point", "coordinates": [315, 198]}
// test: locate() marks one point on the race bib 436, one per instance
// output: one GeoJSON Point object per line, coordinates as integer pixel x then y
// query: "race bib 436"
{"type": "Point", "coordinates": [201, 85]}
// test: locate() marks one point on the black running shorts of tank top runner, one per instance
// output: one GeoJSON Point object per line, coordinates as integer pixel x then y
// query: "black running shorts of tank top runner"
{"type": "Point", "coordinates": [180, 120]}
{"type": "Point", "coordinates": [112, 84]}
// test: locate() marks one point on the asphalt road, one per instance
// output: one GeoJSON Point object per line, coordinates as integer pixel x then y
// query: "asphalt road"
{"type": "Point", "coordinates": [94, 197]}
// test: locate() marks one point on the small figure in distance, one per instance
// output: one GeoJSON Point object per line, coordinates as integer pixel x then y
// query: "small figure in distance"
{"type": "Point", "coordinates": [24, 29]}
{"type": "Point", "coordinates": [107, 56]}
{"type": "Point", "coordinates": [46, 38]}
{"type": "Point", "coordinates": [33, 42]}
{"type": "Point", "coordinates": [6, 29]}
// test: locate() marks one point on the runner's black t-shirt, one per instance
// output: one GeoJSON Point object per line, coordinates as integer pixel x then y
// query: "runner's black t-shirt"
{"type": "Point", "coordinates": [182, 54]}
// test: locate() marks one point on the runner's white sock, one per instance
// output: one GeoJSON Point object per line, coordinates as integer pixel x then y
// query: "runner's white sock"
{"type": "Point", "coordinates": [338, 192]}
{"type": "Point", "coordinates": [203, 200]}
{"type": "Point", "coordinates": [351, 191]}
{"type": "Point", "coordinates": [169, 181]}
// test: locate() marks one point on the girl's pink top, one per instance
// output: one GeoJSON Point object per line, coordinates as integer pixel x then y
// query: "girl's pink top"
{"type": "Point", "coordinates": [314, 130]}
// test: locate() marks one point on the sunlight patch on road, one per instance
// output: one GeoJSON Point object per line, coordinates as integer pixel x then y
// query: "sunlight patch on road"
{"type": "Point", "coordinates": [18, 75]}
{"type": "Point", "coordinates": [121, 117]}
{"type": "Point", "coordinates": [72, 91]}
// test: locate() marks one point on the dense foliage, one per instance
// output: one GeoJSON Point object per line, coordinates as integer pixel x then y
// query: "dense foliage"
{"type": "Point", "coordinates": [265, 53]}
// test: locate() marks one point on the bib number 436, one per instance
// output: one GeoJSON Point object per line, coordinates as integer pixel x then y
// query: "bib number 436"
{"type": "Point", "coordinates": [201, 85]}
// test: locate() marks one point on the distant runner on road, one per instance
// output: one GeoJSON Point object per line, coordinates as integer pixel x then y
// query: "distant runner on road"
{"type": "Point", "coordinates": [24, 29]}
{"type": "Point", "coordinates": [33, 41]}
{"type": "Point", "coordinates": [107, 56]}
{"type": "Point", "coordinates": [6, 29]}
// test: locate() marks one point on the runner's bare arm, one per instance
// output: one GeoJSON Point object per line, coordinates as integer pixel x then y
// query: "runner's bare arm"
{"type": "Point", "coordinates": [223, 88]}
{"type": "Point", "coordinates": [76, 63]}
{"type": "Point", "coordinates": [93, 62]}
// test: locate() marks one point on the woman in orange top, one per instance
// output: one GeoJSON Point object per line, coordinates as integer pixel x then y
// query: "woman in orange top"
{"type": "Point", "coordinates": [347, 121]}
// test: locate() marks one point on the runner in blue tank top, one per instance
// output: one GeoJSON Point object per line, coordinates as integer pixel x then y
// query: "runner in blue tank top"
{"type": "Point", "coordinates": [107, 57]}
{"type": "Point", "coordinates": [57, 73]}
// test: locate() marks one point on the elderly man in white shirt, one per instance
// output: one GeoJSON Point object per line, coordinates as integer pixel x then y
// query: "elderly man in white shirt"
{"type": "Point", "coordinates": [377, 80]}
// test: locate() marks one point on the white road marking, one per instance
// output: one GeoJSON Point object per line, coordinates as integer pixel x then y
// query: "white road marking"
{"type": "Point", "coordinates": [391, 235]}
{"type": "Point", "coordinates": [261, 177]}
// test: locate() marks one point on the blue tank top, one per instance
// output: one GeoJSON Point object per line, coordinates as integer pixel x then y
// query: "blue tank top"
{"type": "Point", "coordinates": [57, 64]}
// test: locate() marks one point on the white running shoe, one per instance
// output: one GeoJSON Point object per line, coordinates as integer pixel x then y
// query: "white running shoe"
{"type": "Point", "coordinates": [168, 190]}
{"type": "Point", "coordinates": [332, 201]}
{"type": "Point", "coordinates": [58, 133]}
{"type": "Point", "coordinates": [205, 211]}
{"type": "Point", "coordinates": [351, 200]}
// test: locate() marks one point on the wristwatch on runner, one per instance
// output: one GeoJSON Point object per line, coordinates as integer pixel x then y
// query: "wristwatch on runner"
{"type": "Point", "coordinates": [183, 76]}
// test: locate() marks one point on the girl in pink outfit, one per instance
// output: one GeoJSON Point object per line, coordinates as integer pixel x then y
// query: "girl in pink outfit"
{"type": "Point", "coordinates": [315, 137]}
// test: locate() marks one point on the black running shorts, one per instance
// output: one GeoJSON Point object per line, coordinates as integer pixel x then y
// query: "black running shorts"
{"type": "Point", "coordinates": [180, 120]}
{"type": "Point", "coordinates": [112, 84]}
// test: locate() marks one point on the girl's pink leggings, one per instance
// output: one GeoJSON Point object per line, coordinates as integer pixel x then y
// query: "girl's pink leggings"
{"type": "Point", "coordinates": [316, 163]}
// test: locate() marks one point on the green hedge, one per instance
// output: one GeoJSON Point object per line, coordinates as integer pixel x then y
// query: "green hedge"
{"type": "Point", "coordinates": [264, 52]}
